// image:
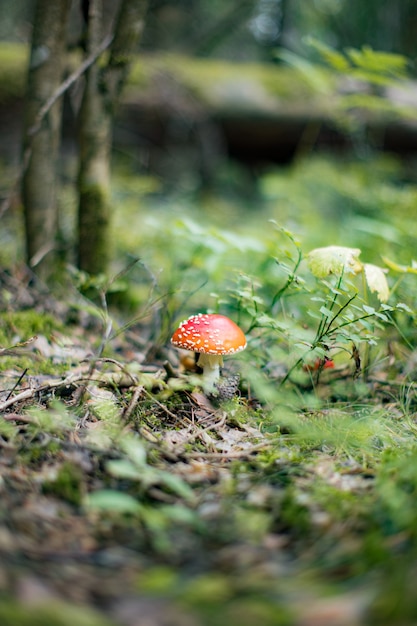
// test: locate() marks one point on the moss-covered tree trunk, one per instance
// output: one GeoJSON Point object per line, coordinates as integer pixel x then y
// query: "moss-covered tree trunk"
{"type": "Point", "coordinates": [101, 95]}
{"type": "Point", "coordinates": [94, 165]}
{"type": "Point", "coordinates": [41, 147]}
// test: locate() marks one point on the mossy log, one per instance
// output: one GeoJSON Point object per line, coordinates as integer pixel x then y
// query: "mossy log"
{"type": "Point", "coordinates": [261, 113]}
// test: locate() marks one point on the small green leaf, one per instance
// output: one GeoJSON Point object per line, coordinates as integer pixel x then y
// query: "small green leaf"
{"type": "Point", "coordinates": [404, 307]}
{"type": "Point", "coordinates": [332, 57]}
{"type": "Point", "coordinates": [123, 468]}
{"type": "Point", "coordinates": [326, 312]}
{"type": "Point", "coordinates": [135, 450]}
{"type": "Point", "coordinates": [181, 514]}
{"type": "Point", "coordinates": [378, 62]}
{"type": "Point", "coordinates": [175, 484]}
{"type": "Point", "coordinates": [314, 315]}
{"type": "Point", "coordinates": [112, 501]}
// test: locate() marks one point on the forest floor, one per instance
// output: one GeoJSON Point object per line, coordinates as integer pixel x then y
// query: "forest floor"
{"type": "Point", "coordinates": [128, 498]}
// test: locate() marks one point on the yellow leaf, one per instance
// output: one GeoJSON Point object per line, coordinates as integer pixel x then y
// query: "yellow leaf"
{"type": "Point", "coordinates": [334, 260]}
{"type": "Point", "coordinates": [377, 282]}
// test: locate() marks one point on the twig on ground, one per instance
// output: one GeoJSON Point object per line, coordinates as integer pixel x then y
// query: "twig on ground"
{"type": "Point", "coordinates": [163, 407]}
{"type": "Point", "coordinates": [199, 433]}
{"type": "Point", "coordinates": [31, 393]}
{"type": "Point", "coordinates": [133, 402]}
{"type": "Point", "coordinates": [11, 349]}
{"type": "Point", "coordinates": [18, 417]}
{"type": "Point", "coordinates": [238, 454]}
{"type": "Point", "coordinates": [17, 383]}
{"type": "Point", "coordinates": [171, 373]}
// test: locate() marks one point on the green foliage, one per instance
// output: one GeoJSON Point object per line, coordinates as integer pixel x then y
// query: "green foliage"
{"type": "Point", "coordinates": [262, 279]}
{"type": "Point", "coordinates": [56, 419]}
{"type": "Point", "coordinates": [325, 471]}
{"type": "Point", "coordinates": [340, 310]}
{"type": "Point", "coordinates": [53, 613]}
{"type": "Point", "coordinates": [295, 499]}
{"type": "Point", "coordinates": [67, 484]}
{"type": "Point", "coordinates": [112, 501]}
{"type": "Point", "coordinates": [18, 331]}
{"type": "Point", "coordinates": [339, 472]}
{"type": "Point", "coordinates": [135, 467]}
{"type": "Point", "coordinates": [356, 84]}
{"type": "Point", "coordinates": [367, 64]}
{"type": "Point", "coordinates": [214, 81]}
{"type": "Point", "coordinates": [396, 490]}
{"type": "Point", "coordinates": [25, 324]}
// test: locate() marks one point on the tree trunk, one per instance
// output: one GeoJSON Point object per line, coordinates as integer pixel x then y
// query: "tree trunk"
{"type": "Point", "coordinates": [102, 92]}
{"type": "Point", "coordinates": [41, 147]}
{"type": "Point", "coordinates": [94, 163]}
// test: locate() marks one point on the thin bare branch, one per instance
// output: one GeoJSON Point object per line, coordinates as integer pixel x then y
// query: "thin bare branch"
{"type": "Point", "coordinates": [238, 454]}
{"type": "Point", "coordinates": [31, 393]}
{"type": "Point", "coordinates": [72, 78]}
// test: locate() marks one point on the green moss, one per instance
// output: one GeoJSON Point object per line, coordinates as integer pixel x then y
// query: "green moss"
{"type": "Point", "coordinates": [249, 611]}
{"type": "Point", "coordinates": [223, 599]}
{"type": "Point", "coordinates": [294, 514]}
{"type": "Point", "coordinates": [67, 484]}
{"type": "Point", "coordinates": [13, 64]}
{"type": "Point", "coordinates": [35, 453]}
{"type": "Point", "coordinates": [203, 589]}
{"type": "Point", "coordinates": [41, 366]}
{"type": "Point", "coordinates": [95, 236]}
{"type": "Point", "coordinates": [206, 78]}
{"type": "Point", "coordinates": [223, 85]}
{"type": "Point", "coordinates": [25, 324]}
{"type": "Point", "coordinates": [158, 580]}
{"type": "Point", "coordinates": [17, 327]}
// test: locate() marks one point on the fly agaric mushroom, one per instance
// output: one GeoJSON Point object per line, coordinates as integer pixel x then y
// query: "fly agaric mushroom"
{"type": "Point", "coordinates": [212, 336]}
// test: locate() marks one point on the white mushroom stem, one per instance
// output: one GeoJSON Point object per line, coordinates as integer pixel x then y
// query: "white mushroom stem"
{"type": "Point", "coordinates": [210, 364]}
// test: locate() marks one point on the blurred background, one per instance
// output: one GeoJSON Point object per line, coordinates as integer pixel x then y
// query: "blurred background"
{"type": "Point", "coordinates": [241, 111]}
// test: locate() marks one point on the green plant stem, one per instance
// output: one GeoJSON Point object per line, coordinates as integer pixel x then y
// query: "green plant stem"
{"type": "Point", "coordinates": [354, 321]}
{"type": "Point", "coordinates": [329, 325]}
{"type": "Point", "coordinates": [290, 280]}
{"type": "Point", "coordinates": [320, 333]}
{"type": "Point", "coordinates": [292, 368]}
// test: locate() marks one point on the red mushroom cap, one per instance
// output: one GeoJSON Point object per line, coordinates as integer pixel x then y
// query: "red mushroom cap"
{"type": "Point", "coordinates": [209, 334]}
